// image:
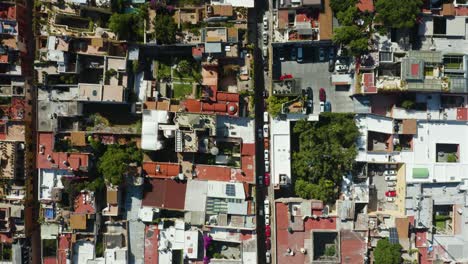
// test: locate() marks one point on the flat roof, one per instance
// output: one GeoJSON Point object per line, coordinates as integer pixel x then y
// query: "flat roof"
{"type": "Point", "coordinates": [83, 251]}
{"type": "Point", "coordinates": [280, 150]}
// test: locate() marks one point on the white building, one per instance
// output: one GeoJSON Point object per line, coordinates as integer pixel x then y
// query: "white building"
{"type": "Point", "coordinates": [280, 152]}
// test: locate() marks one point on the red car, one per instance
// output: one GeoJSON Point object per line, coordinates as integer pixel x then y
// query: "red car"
{"type": "Point", "coordinates": [267, 231]}
{"type": "Point", "coordinates": [267, 179]}
{"type": "Point", "coordinates": [390, 193]}
{"type": "Point", "coordinates": [286, 76]}
{"type": "Point", "coordinates": [268, 244]}
{"type": "Point", "coordinates": [322, 95]}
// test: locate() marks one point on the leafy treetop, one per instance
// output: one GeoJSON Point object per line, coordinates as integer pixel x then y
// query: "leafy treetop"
{"type": "Point", "coordinates": [114, 162]}
{"type": "Point", "coordinates": [397, 13]}
{"type": "Point", "coordinates": [387, 253]}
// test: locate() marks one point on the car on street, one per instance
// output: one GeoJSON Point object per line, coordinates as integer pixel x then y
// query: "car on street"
{"type": "Point", "coordinates": [321, 54]}
{"type": "Point", "coordinates": [331, 65]}
{"type": "Point", "coordinates": [268, 244]}
{"type": "Point", "coordinates": [265, 117]}
{"type": "Point", "coordinates": [309, 93]}
{"type": "Point", "coordinates": [390, 199]}
{"type": "Point", "coordinates": [390, 172]}
{"type": "Point", "coordinates": [260, 179]}
{"type": "Point", "coordinates": [267, 179]}
{"type": "Point", "coordinates": [260, 134]}
{"type": "Point", "coordinates": [267, 219]}
{"type": "Point", "coordinates": [267, 231]}
{"type": "Point", "coordinates": [286, 76]}
{"type": "Point", "coordinates": [281, 54]}
{"type": "Point", "coordinates": [299, 55]}
{"type": "Point", "coordinates": [266, 143]}
{"type": "Point", "coordinates": [265, 22]}
{"type": "Point", "coordinates": [265, 52]}
{"type": "Point", "coordinates": [327, 106]}
{"type": "Point", "coordinates": [267, 154]}
{"type": "Point", "coordinates": [390, 178]}
{"type": "Point", "coordinates": [265, 66]}
{"type": "Point", "coordinates": [391, 184]}
{"type": "Point", "coordinates": [293, 53]}
{"type": "Point", "coordinates": [390, 193]}
{"type": "Point", "coordinates": [268, 257]}
{"type": "Point", "coordinates": [265, 131]}
{"type": "Point", "coordinates": [267, 166]}
{"type": "Point", "coordinates": [309, 106]}
{"type": "Point", "coordinates": [265, 38]}
{"type": "Point", "coordinates": [331, 53]}
{"type": "Point", "coordinates": [267, 206]}
{"type": "Point", "coordinates": [322, 95]}
{"type": "Point", "coordinates": [322, 107]}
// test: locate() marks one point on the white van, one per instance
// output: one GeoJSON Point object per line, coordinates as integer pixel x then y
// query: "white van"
{"type": "Point", "coordinates": [299, 54]}
{"type": "Point", "coordinates": [267, 207]}
{"type": "Point", "coordinates": [265, 117]}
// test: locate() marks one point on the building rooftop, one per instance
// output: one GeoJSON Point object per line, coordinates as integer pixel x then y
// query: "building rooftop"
{"type": "Point", "coordinates": [165, 194]}
{"type": "Point", "coordinates": [280, 148]}
{"type": "Point", "coordinates": [161, 169]}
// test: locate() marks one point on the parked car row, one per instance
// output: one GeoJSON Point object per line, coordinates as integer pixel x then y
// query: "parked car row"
{"type": "Point", "coordinates": [297, 53]}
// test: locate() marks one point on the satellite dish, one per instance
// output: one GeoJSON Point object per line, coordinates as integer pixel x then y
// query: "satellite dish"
{"type": "Point", "coordinates": [214, 151]}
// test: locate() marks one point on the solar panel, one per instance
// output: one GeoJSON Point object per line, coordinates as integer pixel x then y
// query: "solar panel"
{"type": "Point", "coordinates": [393, 236]}
{"type": "Point", "coordinates": [230, 190]}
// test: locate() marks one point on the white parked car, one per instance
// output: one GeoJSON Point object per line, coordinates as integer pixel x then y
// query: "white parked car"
{"type": "Point", "coordinates": [390, 172]}
{"type": "Point", "coordinates": [322, 107]}
{"type": "Point", "coordinates": [267, 219]}
{"type": "Point", "coordinates": [267, 154]}
{"type": "Point", "coordinates": [265, 131]}
{"type": "Point", "coordinates": [391, 184]}
{"type": "Point", "coordinates": [390, 178]}
{"type": "Point", "coordinates": [265, 117]}
{"type": "Point", "coordinates": [390, 199]}
{"type": "Point", "coordinates": [265, 22]}
{"type": "Point", "coordinates": [267, 166]}
{"type": "Point", "coordinates": [268, 257]}
{"type": "Point", "coordinates": [267, 207]}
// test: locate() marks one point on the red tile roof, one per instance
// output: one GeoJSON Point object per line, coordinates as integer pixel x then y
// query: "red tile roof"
{"type": "Point", "coordinates": [151, 244]}
{"type": "Point", "coordinates": [83, 205]}
{"type": "Point", "coordinates": [228, 97]}
{"type": "Point", "coordinates": [414, 69]}
{"type": "Point", "coordinates": [58, 160]}
{"type": "Point", "coordinates": [63, 247]}
{"type": "Point", "coordinates": [8, 13]}
{"type": "Point", "coordinates": [248, 149]}
{"type": "Point", "coordinates": [165, 193]}
{"type": "Point", "coordinates": [49, 260]}
{"type": "Point", "coordinates": [462, 114]}
{"type": "Point", "coordinates": [365, 5]}
{"type": "Point", "coordinates": [353, 246]}
{"type": "Point", "coordinates": [295, 240]}
{"type": "Point", "coordinates": [166, 169]}
{"type": "Point", "coordinates": [248, 168]}
{"type": "Point", "coordinates": [214, 173]}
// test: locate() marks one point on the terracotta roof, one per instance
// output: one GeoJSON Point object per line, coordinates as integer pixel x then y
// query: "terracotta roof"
{"type": "Point", "coordinates": [282, 19]}
{"type": "Point", "coordinates": [353, 246]}
{"type": "Point", "coordinates": [222, 10]}
{"type": "Point", "coordinates": [112, 196]}
{"type": "Point", "coordinates": [462, 113]}
{"type": "Point", "coordinates": [365, 5]}
{"type": "Point", "coordinates": [448, 9]}
{"type": "Point", "coordinates": [409, 126]}
{"type": "Point", "coordinates": [228, 97]}
{"type": "Point", "coordinates": [165, 193]}
{"type": "Point", "coordinates": [161, 169]}
{"type": "Point", "coordinates": [78, 221]}
{"type": "Point", "coordinates": [402, 226]}
{"type": "Point", "coordinates": [48, 159]}
{"type": "Point", "coordinates": [78, 138]}
{"type": "Point", "coordinates": [213, 173]}
{"type": "Point", "coordinates": [326, 22]}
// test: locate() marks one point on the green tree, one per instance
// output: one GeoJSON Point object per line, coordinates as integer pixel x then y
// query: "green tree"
{"type": "Point", "coordinates": [275, 104]}
{"type": "Point", "coordinates": [327, 150]}
{"type": "Point", "coordinates": [341, 5]}
{"type": "Point", "coordinates": [114, 162]}
{"type": "Point", "coordinates": [353, 38]}
{"type": "Point", "coordinates": [387, 253]}
{"type": "Point", "coordinates": [165, 29]}
{"type": "Point", "coordinates": [348, 16]}
{"type": "Point", "coordinates": [397, 13]}
{"type": "Point", "coordinates": [129, 26]}
{"type": "Point", "coordinates": [184, 67]}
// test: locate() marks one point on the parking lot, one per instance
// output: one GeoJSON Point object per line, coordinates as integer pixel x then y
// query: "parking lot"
{"type": "Point", "coordinates": [311, 72]}
{"type": "Point", "coordinates": [381, 186]}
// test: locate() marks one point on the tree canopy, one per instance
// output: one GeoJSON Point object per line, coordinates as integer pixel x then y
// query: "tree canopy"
{"type": "Point", "coordinates": [327, 150]}
{"type": "Point", "coordinates": [129, 26]}
{"type": "Point", "coordinates": [397, 13]}
{"type": "Point", "coordinates": [114, 162]}
{"type": "Point", "coordinates": [275, 104]}
{"type": "Point", "coordinates": [353, 33]}
{"type": "Point", "coordinates": [387, 253]}
{"type": "Point", "coordinates": [341, 5]}
{"type": "Point", "coordinates": [165, 29]}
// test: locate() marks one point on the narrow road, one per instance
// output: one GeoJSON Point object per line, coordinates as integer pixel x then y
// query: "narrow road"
{"type": "Point", "coordinates": [255, 24]}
